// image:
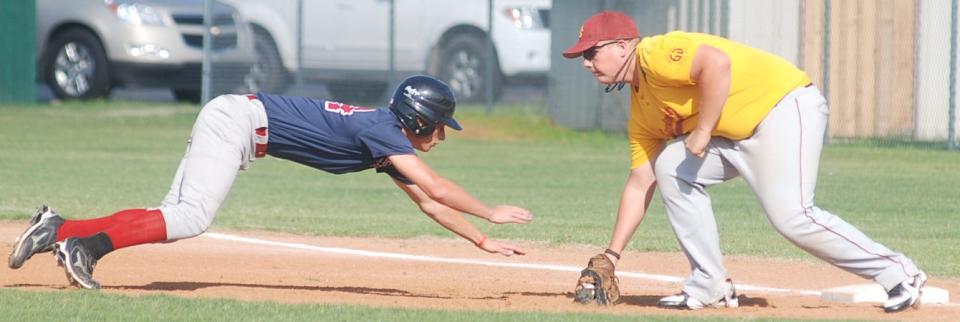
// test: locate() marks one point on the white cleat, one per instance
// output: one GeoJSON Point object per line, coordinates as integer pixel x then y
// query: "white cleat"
{"type": "Point", "coordinates": [906, 294]}
{"type": "Point", "coordinates": [682, 301]}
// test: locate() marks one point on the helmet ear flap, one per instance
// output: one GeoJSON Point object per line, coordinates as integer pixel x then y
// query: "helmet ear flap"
{"type": "Point", "coordinates": [411, 120]}
{"type": "Point", "coordinates": [424, 127]}
{"type": "Point", "coordinates": [407, 116]}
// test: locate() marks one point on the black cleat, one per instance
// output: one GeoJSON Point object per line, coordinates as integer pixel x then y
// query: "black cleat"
{"type": "Point", "coordinates": [77, 263]}
{"type": "Point", "coordinates": [38, 238]}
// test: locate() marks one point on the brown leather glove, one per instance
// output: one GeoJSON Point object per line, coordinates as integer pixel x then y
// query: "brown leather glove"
{"type": "Point", "coordinates": [597, 283]}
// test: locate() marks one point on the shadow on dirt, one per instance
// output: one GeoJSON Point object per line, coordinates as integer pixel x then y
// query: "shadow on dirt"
{"type": "Point", "coordinates": [193, 286]}
{"type": "Point", "coordinates": [651, 300]}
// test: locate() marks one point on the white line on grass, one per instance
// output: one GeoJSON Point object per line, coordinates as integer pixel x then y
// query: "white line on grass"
{"type": "Point", "coordinates": [16, 209]}
{"type": "Point", "coordinates": [547, 267]}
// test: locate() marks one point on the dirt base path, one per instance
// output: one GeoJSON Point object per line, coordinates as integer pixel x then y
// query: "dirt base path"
{"type": "Point", "coordinates": [212, 267]}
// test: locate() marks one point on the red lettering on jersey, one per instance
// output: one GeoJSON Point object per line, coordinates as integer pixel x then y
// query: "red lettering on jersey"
{"type": "Point", "coordinates": [382, 163]}
{"type": "Point", "coordinates": [345, 109]}
{"type": "Point", "coordinates": [672, 122]}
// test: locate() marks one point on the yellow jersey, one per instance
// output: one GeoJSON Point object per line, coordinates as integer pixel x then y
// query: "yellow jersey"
{"type": "Point", "coordinates": [666, 103]}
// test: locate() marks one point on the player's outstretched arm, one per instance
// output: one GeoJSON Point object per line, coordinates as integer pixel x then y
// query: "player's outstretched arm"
{"type": "Point", "coordinates": [452, 195]}
{"type": "Point", "coordinates": [453, 221]}
{"type": "Point", "coordinates": [634, 201]}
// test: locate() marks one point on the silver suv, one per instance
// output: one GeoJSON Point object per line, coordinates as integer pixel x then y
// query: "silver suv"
{"type": "Point", "coordinates": [86, 47]}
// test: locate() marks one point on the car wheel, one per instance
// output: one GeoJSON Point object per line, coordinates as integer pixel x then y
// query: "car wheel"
{"type": "Point", "coordinates": [76, 66]}
{"type": "Point", "coordinates": [267, 73]}
{"type": "Point", "coordinates": [463, 66]}
{"type": "Point", "coordinates": [187, 95]}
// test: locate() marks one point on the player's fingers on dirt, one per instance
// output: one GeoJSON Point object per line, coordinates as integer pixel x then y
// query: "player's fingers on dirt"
{"type": "Point", "coordinates": [515, 250]}
{"type": "Point", "coordinates": [512, 250]}
{"type": "Point", "coordinates": [494, 246]}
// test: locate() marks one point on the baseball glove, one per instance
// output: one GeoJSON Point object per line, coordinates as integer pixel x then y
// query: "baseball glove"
{"type": "Point", "coordinates": [597, 283]}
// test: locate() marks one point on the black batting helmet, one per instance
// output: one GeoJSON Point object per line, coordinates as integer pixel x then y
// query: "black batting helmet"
{"type": "Point", "coordinates": [426, 98]}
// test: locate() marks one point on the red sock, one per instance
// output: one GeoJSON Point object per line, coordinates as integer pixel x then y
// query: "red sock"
{"type": "Point", "coordinates": [125, 228]}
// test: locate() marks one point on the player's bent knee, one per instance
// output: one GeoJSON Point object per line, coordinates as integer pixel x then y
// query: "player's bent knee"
{"type": "Point", "coordinates": [666, 173]}
{"type": "Point", "coordinates": [185, 221]}
{"type": "Point", "coordinates": [788, 220]}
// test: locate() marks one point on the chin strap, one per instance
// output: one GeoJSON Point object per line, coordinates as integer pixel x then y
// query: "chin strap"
{"type": "Point", "coordinates": [621, 74]}
{"type": "Point", "coordinates": [614, 86]}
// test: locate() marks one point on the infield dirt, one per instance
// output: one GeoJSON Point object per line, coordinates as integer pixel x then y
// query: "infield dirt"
{"type": "Point", "coordinates": [205, 267]}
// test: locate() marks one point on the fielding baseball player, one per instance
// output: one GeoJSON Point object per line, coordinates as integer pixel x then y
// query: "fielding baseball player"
{"type": "Point", "coordinates": [704, 110]}
{"type": "Point", "coordinates": [232, 131]}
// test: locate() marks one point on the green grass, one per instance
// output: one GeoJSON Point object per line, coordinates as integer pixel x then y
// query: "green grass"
{"type": "Point", "coordinates": [90, 159]}
{"type": "Point", "coordinates": [95, 306]}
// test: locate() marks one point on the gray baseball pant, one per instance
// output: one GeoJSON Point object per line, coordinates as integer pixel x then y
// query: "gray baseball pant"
{"type": "Point", "coordinates": [779, 163]}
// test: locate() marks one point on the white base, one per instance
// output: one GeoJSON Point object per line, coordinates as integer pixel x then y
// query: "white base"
{"type": "Point", "coordinates": [874, 293]}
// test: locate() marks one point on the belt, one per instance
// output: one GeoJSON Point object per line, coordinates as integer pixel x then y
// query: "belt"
{"type": "Point", "coordinates": [260, 136]}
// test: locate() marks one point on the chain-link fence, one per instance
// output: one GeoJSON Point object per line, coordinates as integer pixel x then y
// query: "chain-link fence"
{"type": "Point", "coordinates": [356, 50]}
{"type": "Point", "coordinates": [887, 67]}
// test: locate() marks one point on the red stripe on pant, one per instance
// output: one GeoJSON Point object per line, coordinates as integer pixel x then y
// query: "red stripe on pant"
{"type": "Point", "coordinates": [125, 228]}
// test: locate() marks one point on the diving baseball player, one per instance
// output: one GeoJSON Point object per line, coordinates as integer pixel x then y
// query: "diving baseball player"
{"type": "Point", "coordinates": [704, 110]}
{"type": "Point", "coordinates": [232, 131]}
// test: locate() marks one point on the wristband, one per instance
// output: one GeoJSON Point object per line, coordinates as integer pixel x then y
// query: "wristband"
{"type": "Point", "coordinates": [612, 253]}
{"type": "Point", "coordinates": [481, 241]}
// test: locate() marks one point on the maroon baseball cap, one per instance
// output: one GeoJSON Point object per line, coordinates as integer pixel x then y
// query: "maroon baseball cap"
{"type": "Point", "coordinates": [606, 25]}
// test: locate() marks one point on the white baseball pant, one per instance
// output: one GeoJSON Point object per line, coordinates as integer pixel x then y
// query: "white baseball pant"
{"type": "Point", "coordinates": [222, 142]}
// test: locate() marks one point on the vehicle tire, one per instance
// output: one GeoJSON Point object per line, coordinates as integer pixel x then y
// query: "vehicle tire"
{"type": "Point", "coordinates": [267, 72]}
{"type": "Point", "coordinates": [463, 66]}
{"type": "Point", "coordinates": [75, 66]}
{"type": "Point", "coordinates": [187, 95]}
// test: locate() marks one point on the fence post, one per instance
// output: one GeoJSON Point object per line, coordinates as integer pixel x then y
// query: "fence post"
{"type": "Point", "coordinates": [488, 81]}
{"type": "Point", "coordinates": [392, 73]}
{"type": "Point", "coordinates": [952, 126]}
{"type": "Point", "coordinates": [298, 78]}
{"type": "Point", "coordinates": [826, 62]}
{"type": "Point", "coordinates": [18, 53]}
{"type": "Point", "coordinates": [205, 80]}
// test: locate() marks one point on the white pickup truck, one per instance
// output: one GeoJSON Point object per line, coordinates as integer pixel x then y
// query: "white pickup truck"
{"type": "Point", "coordinates": [346, 42]}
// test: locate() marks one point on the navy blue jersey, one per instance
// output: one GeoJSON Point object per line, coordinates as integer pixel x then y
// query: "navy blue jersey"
{"type": "Point", "coordinates": [333, 137]}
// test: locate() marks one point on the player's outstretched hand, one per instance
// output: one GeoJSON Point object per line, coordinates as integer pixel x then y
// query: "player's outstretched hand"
{"type": "Point", "coordinates": [494, 246]}
{"type": "Point", "coordinates": [504, 214]}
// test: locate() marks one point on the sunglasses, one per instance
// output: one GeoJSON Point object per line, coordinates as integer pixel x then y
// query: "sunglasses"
{"type": "Point", "coordinates": [589, 54]}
